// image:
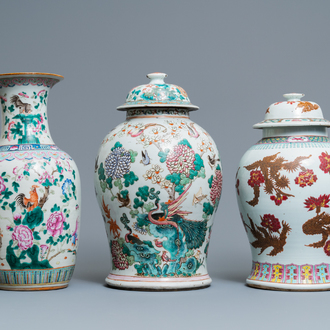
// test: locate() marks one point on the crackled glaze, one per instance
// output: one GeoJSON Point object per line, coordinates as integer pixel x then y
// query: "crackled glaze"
{"type": "Point", "coordinates": [283, 194]}
{"type": "Point", "coordinates": [40, 190]}
{"type": "Point", "coordinates": [158, 181]}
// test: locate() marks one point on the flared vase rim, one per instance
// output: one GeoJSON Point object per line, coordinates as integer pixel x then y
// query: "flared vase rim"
{"type": "Point", "coordinates": [31, 74]}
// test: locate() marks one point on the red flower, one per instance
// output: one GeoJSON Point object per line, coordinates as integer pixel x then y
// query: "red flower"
{"type": "Point", "coordinates": [256, 178]}
{"type": "Point", "coordinates": [327, 248]}
{"type": "Point", "coordinates": [305, 178]}
{"type": "Point", "coordinates": [325, 162]}
{"type": "Point", "coordinates": [313, 203]}
{"type": "Point", "coordinates": [278, 199]}
{"type": "Point", "coordinates": [270, 222]}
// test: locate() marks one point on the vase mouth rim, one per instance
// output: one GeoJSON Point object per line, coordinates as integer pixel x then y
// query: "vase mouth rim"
{"type": "Point", "coordinates": [32, 74]}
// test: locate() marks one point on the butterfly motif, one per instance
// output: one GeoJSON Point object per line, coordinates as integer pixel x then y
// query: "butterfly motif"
{"type": "Point", "coordinates": [212, 160]}
{"type": "Point", "coordinates": [198, 197]}
{"type": "Point", "coordinates": [145, 158]}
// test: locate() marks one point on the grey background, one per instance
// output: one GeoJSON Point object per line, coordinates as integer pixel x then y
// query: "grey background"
{"type": "Point", "coordinates": [234, 58]}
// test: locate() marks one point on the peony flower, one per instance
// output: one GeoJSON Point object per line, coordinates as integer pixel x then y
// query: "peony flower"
{"type": "Point", "coordinates": [278, 199]}
{"type": "Point", "coordinates": [313, 203]}
{"type": "Point", "coordinates": [325, 162]}
{"type": "Point", "coordinates": [270, 222]}
{"type": "Point", "coordinates": [24, 237]}
{"type": "Point", "coordinates": [117, 163]}
{"type": "Point", "coordinates": [256, 179]}
{"type": "Point", "coordinates": [181, 160]}
{"type": "Point", "coordinates": [216, 187]}
{"type": "Point", "coordinates": [55, 223]}
{"type": "Point", "coordinates": [327, 248]}
{"type": "Point", "coordinates": [305, 178]}
{"type": "Point", "coordinates": [2, 185]}
{"type": "Point", "coordinates": [118, 257]}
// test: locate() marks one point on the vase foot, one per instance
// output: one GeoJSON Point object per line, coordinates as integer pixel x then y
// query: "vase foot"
{"type": "Point", "coordinates": [157, 284]}
{"type": "Point", "coordinates": [288, 287]}
{"type": "Point", "coordinates": [44, 287]}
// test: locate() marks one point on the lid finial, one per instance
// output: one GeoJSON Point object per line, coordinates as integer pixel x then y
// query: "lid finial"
{"type": "Point", "coordinates": [293, 96]}
{"type": "Point", "coordinates": [157, 78]}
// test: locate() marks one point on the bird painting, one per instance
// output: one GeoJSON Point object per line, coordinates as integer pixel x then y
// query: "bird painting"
{"type": "Point", "coordinates": [194, 231]}
{"type": "Point", "coordinates": [22, 107]}
{"type": "Point", "coordinates": [129, 238]}
{"type": "Point", "coordinates": [125, 201]}
{"type": "Point", "coordinates": [212, 161]}
{"type": "Point", "coordinates": [28, 203]}
{"type": "Point", "coordinates": [74, 237]}
{"type": "Point", "coordinates": [145, 158]}
{"type": "Point", "coordinates": [198, 197]}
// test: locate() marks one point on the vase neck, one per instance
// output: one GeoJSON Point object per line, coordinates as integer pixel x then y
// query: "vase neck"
{"type": "Point", "coordinates": [24, 110]}
{"type": "Point", "coordinates": [147, 112]}
{"type": "Point", "coordinates": [294, 131]}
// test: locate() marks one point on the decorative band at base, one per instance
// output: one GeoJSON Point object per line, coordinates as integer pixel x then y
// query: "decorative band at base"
{"type": "Point", "coordinates": [36, 279]}
{"type": "Point", "coordinates": [157, 283]}
{"type": "Point", "coordinates": [306, 275]}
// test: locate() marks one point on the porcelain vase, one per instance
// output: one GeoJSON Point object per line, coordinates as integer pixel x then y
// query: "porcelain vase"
{"type": "Point", "coordinates": [284, 197]}
{"type": "Point", "coordinates": [40, 190]}
{"type": "Point", "coordinates": [158, 182]}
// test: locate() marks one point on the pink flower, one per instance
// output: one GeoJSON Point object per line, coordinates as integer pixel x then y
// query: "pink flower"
{"type": "Point", "coordinates": [55, 223]}
{"type": "Point", "coordinates": [24, 95]}
{"type": "Point", "coordinates": [15, 170]}
{"type": "Point", "coordinates": [3, 98]}
{"type": "Point", "coordinates": [2, 185]}
{"type": "Point", "coordinates": [24, 237]}
{"type": "Point", "coordinates": [46, 176]}
{"type": "Point", "coordinates": [216, 187]}
{"type": "Point", "coordinates": [17, 216]}
{"type": "Point", "coordinates": [26, 167]}
{"type": "Point", "coordinates": [8, 227]}
{"type": "Point", "coordinates": [20, 177]}
{"type": "Point", "coordinates": [181, 160]}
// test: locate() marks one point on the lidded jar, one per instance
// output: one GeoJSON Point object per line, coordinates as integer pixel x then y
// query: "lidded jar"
{"type": "Point", "coordinates": [283, 194]}
{"type": "Point", "coordinates": [158, 182]}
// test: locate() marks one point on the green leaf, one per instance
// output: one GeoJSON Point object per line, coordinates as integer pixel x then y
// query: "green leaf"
{"type": "Point", "coordinates": [184, 180]}
{"type": "Point", "coordinates": [74, 174]}
{"type": "Point", "coordinates": [15, 186]}
{"type": "Point", "coordinates": [101, 172]}
{"type": "Point", "coordinates": [11, 108]}
{"type": "Point", "coordinates": [118, 184]}
{"type": "Point", "coordinates": [148, 207]}
{"type": "Point", "coordinates": [109, 182]}
{"type": "Point", "coordinates": [163, 155]}
{"type": "Point", "coordinates": [6, 193]}
{"type": "Point", "coordinates": [201, 173]}
{"type": "Point", "coordinates": [185, 142]}
{"type": "Point", "coordinates": [55, 208]}
{"type": "Point", "coordinates": [137, 203]}
{"type": "Point", "coordinates": [66, 226]}
{"type": "Point", "coordinates": [210, 180]}
{"type": "Point", "coordinates": [208, 209]}
{"type": "Point", "coordinates": [103, 185]}
{"type": "Point", "coordinates": [13, 206]}
{"type": "Point", "coordinates": [36, 235]}
{"type": "Point", "coordinates": [16, 129]}
{"type": "Point", "coordinates": [134, 213]}
{"type": "Point", "coordinates": [143, 192]}
{"type": "Point", "coordinates": [130, 178]}
{"type": "Point", "coordinates": [133, 155]}
{"type": "Point", "coordinates": [198, 162]}
{"type": "Point", "coordinates": [117, 145]}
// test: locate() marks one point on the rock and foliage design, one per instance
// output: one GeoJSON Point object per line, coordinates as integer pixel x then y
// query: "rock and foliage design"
{"type": "Point", "coordinates": [266, 173]}
{"type": "Point", "coordinates": [151, 230]}
{"type": "Point", "coordinates": [271, 233]}
{"type": "Point", "coordinates": [38, 229]}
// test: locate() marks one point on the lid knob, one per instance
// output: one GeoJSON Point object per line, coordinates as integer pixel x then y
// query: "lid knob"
{"type": "Point", "coordinates": [157, 78]}
{"type": "Point", "coordinates": [294, 96]}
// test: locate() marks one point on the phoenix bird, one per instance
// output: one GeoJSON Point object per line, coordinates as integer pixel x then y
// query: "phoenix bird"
{"type": "Point", "coordinates": [192, 131]}
{"type": "Point", "coordinates": [28, 203]}
{"type": "Point", "coordinates": [23, 107]}
{"type": "Point", "coordinates": [194, 231]}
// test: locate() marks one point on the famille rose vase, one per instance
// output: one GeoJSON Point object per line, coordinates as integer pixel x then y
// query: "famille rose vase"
{"type": "Point", "coordinates": [283, 193]}
{"type": "Point", "coordinates": [158, 182]}
{"type": "Point", "coordinates": [39, 190]}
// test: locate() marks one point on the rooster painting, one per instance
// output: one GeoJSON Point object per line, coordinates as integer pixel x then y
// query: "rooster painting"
{"type": "Point", "coordinates": [28, 203]}
{"type": "Point", "coordinates": [22, 107]}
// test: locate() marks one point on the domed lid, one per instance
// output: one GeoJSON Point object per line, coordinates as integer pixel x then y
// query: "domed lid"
{"type": "Point", "coordinates": [293, 112]}
{"type": "Point", "coordinates": [157, 94]}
